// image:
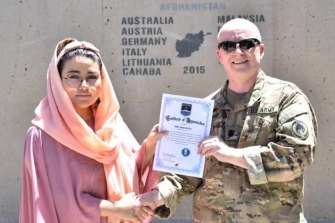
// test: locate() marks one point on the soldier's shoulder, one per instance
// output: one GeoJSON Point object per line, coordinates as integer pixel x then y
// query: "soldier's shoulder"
{"type": "Point", "coordinates": [284, 86]}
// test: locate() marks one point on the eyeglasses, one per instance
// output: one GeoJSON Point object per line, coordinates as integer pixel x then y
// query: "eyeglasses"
{"type": "Point", "coordinates": [246, 44]}
{"type": "Point", "coordinates": [75, 80]}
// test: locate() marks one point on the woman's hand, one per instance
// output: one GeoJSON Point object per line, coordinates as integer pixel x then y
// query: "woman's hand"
{"type": "Point", "coordinates": [128, 208]}
{"type": "Point", "coordinates": [151, 141]}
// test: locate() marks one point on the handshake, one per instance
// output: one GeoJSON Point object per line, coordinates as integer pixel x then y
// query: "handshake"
{"type": "Point", "coordinates": [132, 208]}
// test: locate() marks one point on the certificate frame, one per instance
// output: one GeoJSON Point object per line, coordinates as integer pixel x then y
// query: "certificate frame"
{"type": "Point", "coordinates": [188, 120]}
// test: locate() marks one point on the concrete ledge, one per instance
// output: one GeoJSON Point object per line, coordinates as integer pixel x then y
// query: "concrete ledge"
{"type": "Point", "coordinates": [190, 221]}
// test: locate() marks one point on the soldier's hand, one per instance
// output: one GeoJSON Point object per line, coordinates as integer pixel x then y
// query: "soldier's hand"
{"type": "Point", "coordinates": [151, 199]}
{"type": "Point", "coordinates": [214, 146]}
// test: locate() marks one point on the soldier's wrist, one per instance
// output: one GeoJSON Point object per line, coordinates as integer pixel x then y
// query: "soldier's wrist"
{"type": "Point", "coordinates": [159, 198]}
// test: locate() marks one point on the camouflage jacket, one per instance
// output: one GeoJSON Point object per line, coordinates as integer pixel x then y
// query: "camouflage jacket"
{"type": "Point", "coordinates": [276, 127]}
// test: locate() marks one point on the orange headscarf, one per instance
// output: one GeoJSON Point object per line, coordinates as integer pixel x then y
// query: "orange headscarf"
{"type": "Point", "coordinates": [111, 144]}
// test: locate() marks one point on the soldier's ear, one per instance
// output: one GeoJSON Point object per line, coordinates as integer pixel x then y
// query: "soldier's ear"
{"type": "Point", "coordinates": [262, 50]}
{"type": "Point", "coordinates": [218, 56]}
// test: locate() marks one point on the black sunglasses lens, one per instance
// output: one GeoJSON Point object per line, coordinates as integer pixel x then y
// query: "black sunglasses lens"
{"type": "Point", "coordinates": [228, 46]}
{"type": "Point", "coordinates": [247, 44]}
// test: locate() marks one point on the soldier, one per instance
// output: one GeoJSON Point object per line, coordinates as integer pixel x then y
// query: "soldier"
{"type": "Point", "coordinates": [263, 137]}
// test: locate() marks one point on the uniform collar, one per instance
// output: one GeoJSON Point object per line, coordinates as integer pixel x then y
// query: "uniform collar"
{"type": "Point", "coordinates": [248, 100]}
{"type": "Point", "coordinates": [258, 89]}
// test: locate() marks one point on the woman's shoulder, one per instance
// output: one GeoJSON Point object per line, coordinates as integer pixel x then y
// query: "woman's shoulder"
{"type": "Point", "coordinates": [32, 146]}
{"type": "Point", "coordinates": [36, 138]}
{"type": "Point", "coordinates": [34, 132]}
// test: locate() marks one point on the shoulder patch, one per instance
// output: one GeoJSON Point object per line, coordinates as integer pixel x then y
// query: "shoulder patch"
{"type": "Point", "coordinates": [300, 130]}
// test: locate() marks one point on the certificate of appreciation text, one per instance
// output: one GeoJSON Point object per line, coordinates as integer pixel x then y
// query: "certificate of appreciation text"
{"type": "Point", "coordinates": [188, 121]}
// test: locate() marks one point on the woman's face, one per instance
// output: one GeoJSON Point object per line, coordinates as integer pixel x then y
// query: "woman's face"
{"type": "Point", "coordinates": [81, 79]}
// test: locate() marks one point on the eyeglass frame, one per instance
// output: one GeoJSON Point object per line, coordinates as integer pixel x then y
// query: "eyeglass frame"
{"type": "Point", "coordinates": [82, 80]}
{"type": "Point", "coordinates": [255, 42]}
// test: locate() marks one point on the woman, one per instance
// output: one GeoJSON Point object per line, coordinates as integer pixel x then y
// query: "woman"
{"type": "Point", "coordinates": [81, 162]}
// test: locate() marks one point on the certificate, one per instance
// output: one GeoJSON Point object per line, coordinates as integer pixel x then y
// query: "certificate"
{"type": "Point", "coordinates": [188, 121]}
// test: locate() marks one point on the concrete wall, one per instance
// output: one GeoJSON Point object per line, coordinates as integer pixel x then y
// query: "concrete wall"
{"type": "Point", "coordinates": [299, 47]}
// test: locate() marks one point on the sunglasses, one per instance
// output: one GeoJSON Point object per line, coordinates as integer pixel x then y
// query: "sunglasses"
{"type": "Point", "coordinates": [246, 44]}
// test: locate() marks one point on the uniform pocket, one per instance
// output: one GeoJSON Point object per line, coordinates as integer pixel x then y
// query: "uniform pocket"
{"type": "Point", "coordinates": [258, 129]}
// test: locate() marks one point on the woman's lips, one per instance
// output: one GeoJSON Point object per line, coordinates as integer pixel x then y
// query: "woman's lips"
{"type": "Point", "coordinates": [83, 95]}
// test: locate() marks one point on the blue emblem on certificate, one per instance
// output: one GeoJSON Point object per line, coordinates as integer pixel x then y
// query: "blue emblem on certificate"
{"type": "Point", "coordinates": [186, 109]}
{"type": "Point", "coordinates": [186, 152]}
{"type": "Point", "coordinates": [188, 121]}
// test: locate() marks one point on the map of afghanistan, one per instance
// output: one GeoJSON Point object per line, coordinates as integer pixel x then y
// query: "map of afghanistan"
{"type": "Point", "coordinates": [190, 43]}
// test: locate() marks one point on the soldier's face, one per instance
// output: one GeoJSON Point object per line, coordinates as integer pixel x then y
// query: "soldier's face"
{"type": "Point", "coordinates": [241, 64]}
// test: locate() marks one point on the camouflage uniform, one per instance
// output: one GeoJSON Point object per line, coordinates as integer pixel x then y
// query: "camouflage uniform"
{"type": "Point", "coordinates": [276, 126]}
